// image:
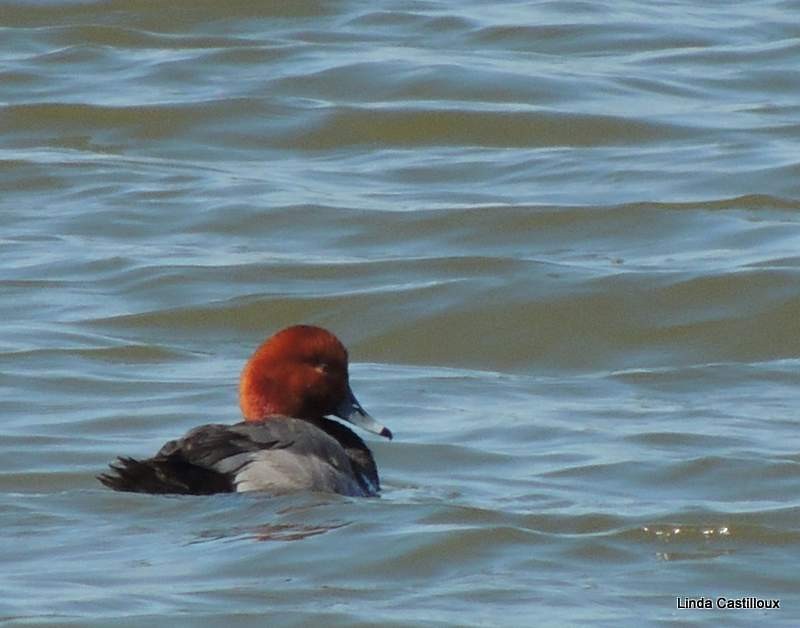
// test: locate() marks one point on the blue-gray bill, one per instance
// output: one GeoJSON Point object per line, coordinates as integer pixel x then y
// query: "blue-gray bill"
{"type": "Point", "coordinates": [350, 410]}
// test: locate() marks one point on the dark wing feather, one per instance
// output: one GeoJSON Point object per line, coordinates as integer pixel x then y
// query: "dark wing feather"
{"type": "Point", "coordinates": [164, 476]}
{"type": "Point", "coordinates": [186, 465]}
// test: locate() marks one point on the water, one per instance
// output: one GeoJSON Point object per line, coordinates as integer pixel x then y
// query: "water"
{"type": "Point", "coordinates": [559, 238]}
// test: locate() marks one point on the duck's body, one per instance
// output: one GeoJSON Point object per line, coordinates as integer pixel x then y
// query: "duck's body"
{"type": "Point", "coordinates": [285, 444]}
{"type": "Point", "coordinates": [278, 455]}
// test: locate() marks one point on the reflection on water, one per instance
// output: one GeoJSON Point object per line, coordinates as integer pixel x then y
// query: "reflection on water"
{"type": "Point", "coordinates": [291, 533]}
{"type": "Point", "coordinates": [269, 532]}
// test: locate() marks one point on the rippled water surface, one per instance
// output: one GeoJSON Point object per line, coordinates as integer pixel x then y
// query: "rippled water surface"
{"type": "Point", "coordinates": [561, 240]}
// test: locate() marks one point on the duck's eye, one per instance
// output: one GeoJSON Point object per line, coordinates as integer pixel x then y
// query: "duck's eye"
{"type": "Point", "coordinates": [322, 367]}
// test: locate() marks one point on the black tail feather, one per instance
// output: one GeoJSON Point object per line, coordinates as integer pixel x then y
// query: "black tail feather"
{"type": "Point", "coordinates": [164, 476]}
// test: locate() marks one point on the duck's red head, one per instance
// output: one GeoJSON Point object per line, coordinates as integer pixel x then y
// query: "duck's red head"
{"type": "Point", "coordinates": [301, 372]}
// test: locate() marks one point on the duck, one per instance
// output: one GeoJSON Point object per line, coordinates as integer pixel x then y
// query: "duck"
{"type": "Point", "coordinates": [289, 388]}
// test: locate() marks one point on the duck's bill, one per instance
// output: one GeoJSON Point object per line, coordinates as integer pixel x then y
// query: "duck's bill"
{"type": "Point", "coordinates": [350, 410]}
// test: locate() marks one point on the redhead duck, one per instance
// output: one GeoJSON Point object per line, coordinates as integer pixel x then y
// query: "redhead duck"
{"type": "Point", "coordinates": [288, 386]}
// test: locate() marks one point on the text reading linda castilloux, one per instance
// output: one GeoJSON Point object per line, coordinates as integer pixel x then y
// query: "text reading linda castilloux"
{"type": "Point", "coordinates": [727, 602]}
